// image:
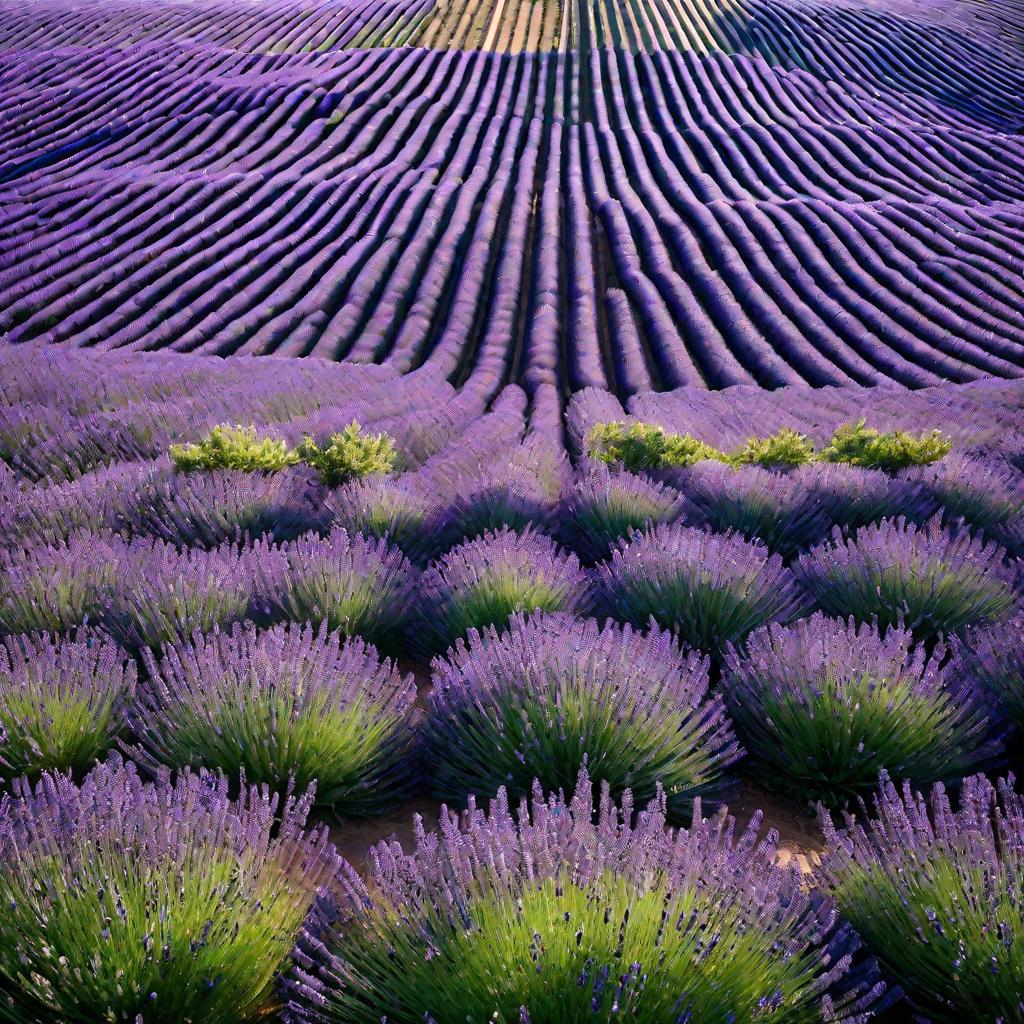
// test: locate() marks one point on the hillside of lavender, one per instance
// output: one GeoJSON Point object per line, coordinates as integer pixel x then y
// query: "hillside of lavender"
{"type": "Point", "coordinates": [511, 511]}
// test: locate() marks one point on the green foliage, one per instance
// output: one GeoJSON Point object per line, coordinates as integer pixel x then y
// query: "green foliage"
{"type": "Point", "coordinates": [349, 455]}
{"type": "Point", "coordinates": [233, 447]}
{"type": "Point", "coordinates": [857, 444]}
{"type": "Point", "coordinates": [785, 449]}
{"type": "Point", "coordinates": [643, 446]}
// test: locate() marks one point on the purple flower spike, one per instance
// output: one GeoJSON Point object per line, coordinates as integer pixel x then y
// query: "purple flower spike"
{"type": "Point", "coordinates": [567, 911]}
{"type": "Point", "coordinates": [710, 589]}
{"type": "Point", "coordinates": [485, 581]}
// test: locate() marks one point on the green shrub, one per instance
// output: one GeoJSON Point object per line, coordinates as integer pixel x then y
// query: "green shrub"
{"type": "Point", "coordinates": [349, 455]}
{"type": "Point", "coordinates": [782, 450]}
{"type": "Point", "coordinates": [642, 446]}
{"type": "Point", "coordinates": [233, 447]}
{"type": "Point", "coordinates": [857, 444]}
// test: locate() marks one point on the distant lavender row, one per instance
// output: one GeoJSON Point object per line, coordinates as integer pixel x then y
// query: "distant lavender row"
{"type": "Point", "coordinates": [754, 193]}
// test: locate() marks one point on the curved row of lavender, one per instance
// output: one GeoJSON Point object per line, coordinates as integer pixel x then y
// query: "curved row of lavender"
{"type": "Point", "coordinates": [745, 192]}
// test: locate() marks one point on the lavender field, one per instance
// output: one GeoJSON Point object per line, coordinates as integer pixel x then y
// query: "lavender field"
{"type": "Point", "coordinates": [511, 512]}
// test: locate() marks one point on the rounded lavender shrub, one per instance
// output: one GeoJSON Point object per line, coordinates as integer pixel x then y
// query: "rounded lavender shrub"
{"type": "Point", "coordinates": [777, 509]}
{"type": "Point", "coordinates": [57, 587]}
{"type": "Point", "coordinates": [164, 595]}
{"type": "Point", "coordinates": [605, 506]}
{"type": "Point", "coordinates": [289, 705]}
{"type": "Point", "coordinates": [155, 903]}
{"type": "Point", "coordinates": [208, 509]}
{"type": "Point", "coordinates": [61, 702]}
{"type": "Point", "coordinates": [571, 912]}
{"type": "Point", "coordinates": [357, 585]}
{"type": "Point", "coordinates": [987, 495]}
{"type": "Point", "coordinates": [555, 693]}
{"type": "Point", "coordinates": [823, 705]}
{"type": "Point", "coordinates": [485, 581]}
{"type": "Point", "coordinates": [385, 507]}
{"type": "Point", "coordinates": [932, 580]}
{"type": "Point", "coordinates": [710, 589]}
{"type": "Point", "coordinates": [992, 657]}
{"type": "Point", "coordinates": [935, 893]}
{"type": "Point", "coordinates": [854, 497]}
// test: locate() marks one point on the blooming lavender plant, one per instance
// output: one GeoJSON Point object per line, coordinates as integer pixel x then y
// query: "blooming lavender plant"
{"type": "Point", "coordinates": [855, 497]}
{"type": "Point", "coordinates": [987, 495]}
{"type": "Point", "coordinates": [571, 912]}
{"type": "Point", "coordinates": [485, 581]}
{"type": "Point", "coordinates": [289, 705]}
{"type": "Point", "coordinates": [710, 589]}
{"type": "Point", "coordinates": [935, 893]}
{"type": "Point", "coordinates": [358, 585]}
{"type": "Point", "coordinates": [777, 509]}
{"type": "Point", "coordinates": [164, 595]}
{"type": "Point", "coordinates": [61, 702]}
{"type": "Point", "coordinates": [155, 903]}
{"type": "Point", "coordinates": [555, 693]}
{"type": "Point", "coordinates": [823, 705]}
{"type": "Point", "coordinates": [386, 507]}
{"type": "Point", "coordinates": [211, 508]}
{"type": "Point", "coordinates": [605, 506]}
{"type": "Point", "coordinates": [932, 580]}
{"type": "Point", "coordinates": [992, 657]}
{"type": "Point", "coordinates": [58, 587]}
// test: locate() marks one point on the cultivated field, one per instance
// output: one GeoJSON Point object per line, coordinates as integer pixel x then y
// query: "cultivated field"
{"type": "Point", "coordinates": [511, 512]}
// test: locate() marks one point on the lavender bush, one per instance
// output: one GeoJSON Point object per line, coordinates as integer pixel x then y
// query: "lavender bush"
{"type": "Point", "coordinates": [287, 706]}
{"type": "Point", "coordinates": [57, 587]}
{"type": "Point", "coordinates": [935, 893]}
{"type": "Point", "coordinates": [357, 585]}
{"type": "Point", "coordinates": [386, 507]}
{"type": "Point", "coordinates": [776, 509]}
{"type": "Point", "coordinates": [164, 595]}
{"type": "Point", "coordinates": [485, 581]}
{"type": "Point", "coordinates": [61, 702]}
{"type": "Point", "coordinates": [992, 657]}
{"type": "Point", "coordinates": [208, 509]}
{"type": "Point", "coordinates": [709, 589]}
{"type": "Point", "coordinates": [932, 580]}
{"type": "Point", "coordinates": [570, 912]}
{"type": "Point", "coordinates": [155, 903]}
{"type": "Point", "coordinates": [823, 705]}
{"type": "Point", "coordinates": [605, 506]}
{"type": "Point", "coordinates": [554, 693]}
